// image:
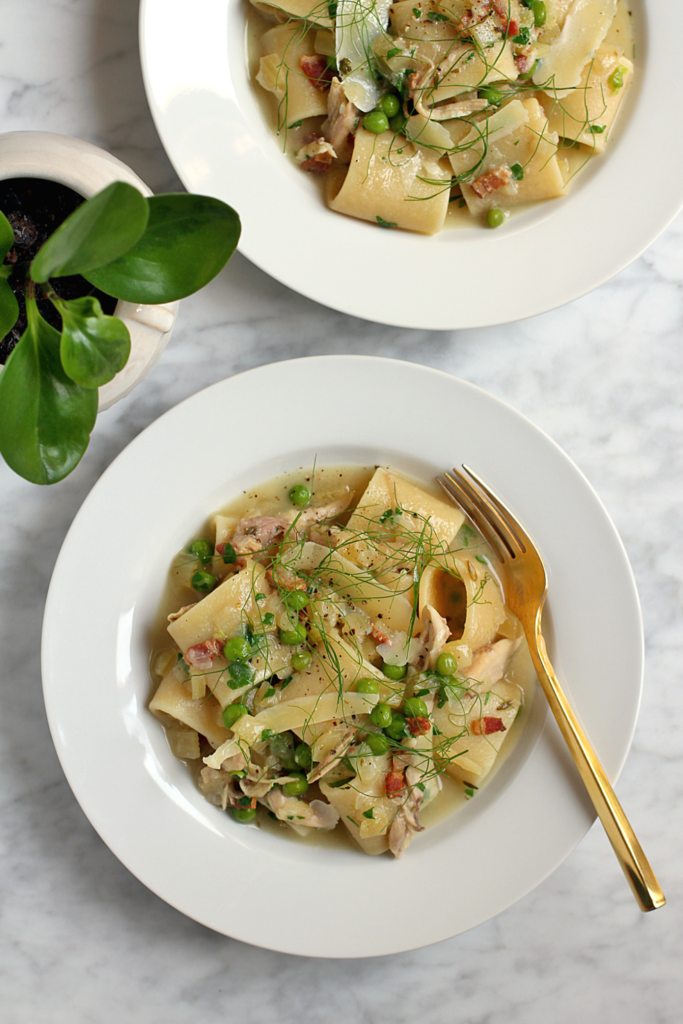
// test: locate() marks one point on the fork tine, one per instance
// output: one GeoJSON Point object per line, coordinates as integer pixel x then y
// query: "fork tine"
{"type": "Point", "coordinates": [486, 509]}
{"type": "Point", "coordinates": [457, 493]}
{"type": "Point", "coordinates": [503, 512]}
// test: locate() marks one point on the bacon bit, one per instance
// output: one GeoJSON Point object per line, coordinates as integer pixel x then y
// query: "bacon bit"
{"type": "Point", "coordinates": [201, 655]}
{"type": "Point", "coordinates": [317, 72]}
{"type": "Point", "coordinates": [525, 61]}
{"type": "Point", "coordinates": [480, 10]}
{"type": "Point", "coordinates": [317, 164]}
{"type": "Point", "coordinates": [395, 783]}
{"type": "Point", "coordinates": [379, 636]}
{"type": "Point", "coordinates": [285, 579]}
{"type": "Point", "coordinates": [492, 180]}
{"type": "Point", "coordinates": [419, 726]}
{"type": "Point", "coordinates": [501, 10]}
{"type": "Point", "coordinates": [487, 725]}
{"type": "Point", "coordinates": [220, 548]}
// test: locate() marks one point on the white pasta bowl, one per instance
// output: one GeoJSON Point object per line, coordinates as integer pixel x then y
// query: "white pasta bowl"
{"type": "Point", "coordinates": [298, 896]}
{"type": "Point", "coordinates": [211, 124]}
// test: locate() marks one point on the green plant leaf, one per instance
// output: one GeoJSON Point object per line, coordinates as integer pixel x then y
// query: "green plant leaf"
{"type": "Point", "coordinates": [94, 347]}
{"type": "Point", "coordinates": [9, 307]}
{"type": "Point", "coordinates": [97, 232]}
{"type": "Point", "coordinates": [46, 418]}
{"type": "Point", "coordinates": [188, 240]}
{"type": "Point", "coordinates": [6, 235]}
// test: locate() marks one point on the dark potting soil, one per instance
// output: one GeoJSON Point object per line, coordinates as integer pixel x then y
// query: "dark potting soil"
{"type": "Point", "coordinates": [35, 208]}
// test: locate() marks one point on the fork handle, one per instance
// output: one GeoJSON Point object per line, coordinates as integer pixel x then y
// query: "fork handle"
{"type": "Point", "coordinates": [633, 861]}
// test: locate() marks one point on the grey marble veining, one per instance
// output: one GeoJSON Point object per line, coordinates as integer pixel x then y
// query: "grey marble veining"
{"type": "Point", "coordinates": [81, 940]}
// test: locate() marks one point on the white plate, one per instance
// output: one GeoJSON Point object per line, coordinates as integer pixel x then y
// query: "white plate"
{"type": "Point", "coordinates": [214, 132]}
{"type": "Point", "coordinates": [254, 885]}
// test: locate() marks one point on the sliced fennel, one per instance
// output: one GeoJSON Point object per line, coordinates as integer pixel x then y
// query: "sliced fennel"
{"type": "Point", "coordinates": [358, 24]}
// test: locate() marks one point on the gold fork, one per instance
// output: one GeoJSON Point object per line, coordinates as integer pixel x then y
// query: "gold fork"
{"type": "Point", "coordinates": [527, 586]}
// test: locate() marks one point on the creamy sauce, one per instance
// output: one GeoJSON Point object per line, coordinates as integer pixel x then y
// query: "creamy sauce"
{"type": "Point", "coordinates": [271, 498]}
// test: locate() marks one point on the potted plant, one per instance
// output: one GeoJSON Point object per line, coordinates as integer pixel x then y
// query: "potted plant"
{"type": "Point", "coordinates": [145, 252]}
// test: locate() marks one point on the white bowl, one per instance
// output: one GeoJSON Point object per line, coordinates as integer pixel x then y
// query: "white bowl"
{"type": "Point", "coordinates": [251, 884]}
{"type": "Point", "coordinates": [211, 124]}
{"type": "Point", "coordinates": [87, 169]}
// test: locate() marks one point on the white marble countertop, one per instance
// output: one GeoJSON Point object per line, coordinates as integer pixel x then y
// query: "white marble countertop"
{"type": "Point", "coordinates": [81, 939]}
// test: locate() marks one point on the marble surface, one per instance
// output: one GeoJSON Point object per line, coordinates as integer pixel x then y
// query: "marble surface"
{"type": "Point", "coordinates": [81, 939]}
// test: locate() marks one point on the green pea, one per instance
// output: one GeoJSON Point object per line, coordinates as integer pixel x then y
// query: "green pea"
{"type": "Point", "coordinates": [232, 713]}
{"type": "Point", "coordinates": [296, 600]}
{"type": "Point", "coordinates": [446, 664]}
{"type": "Point", "coordinates": [490, 94]}
{"type": "Point", "coordinates": [303, 756]}
{"type": "Point", "coordinates": [616, 79]}
{"type": "Point", "coordinates": [293, 637]}
{"type": "Point", "coordinates": [398, 123]}
{"type": "Point", "coordinates": [396, 731]}
{"type": "Point", "coordinates": [376, 122]}
{"type": "Point", "coordinates": [495, 217]}
{"type": "Point", "coordinates": [539, 11]}
{"type": "Point", "coordinates": [202, 550]}
{"type": "Point", "coordinates": [300, 495]}
{"type": "Point", "coordinates": [282, 745]}
{"type": "Point", "coordinates": [236, 649]}
{"type": "Point", "coordinates": [239, 674]}
{"type": "Point", "coordinates": [244, 814]}
{"type": "Point", "coordinates": [381, 716]}
{"type": "Point", "coordinates": [204, 582]}
{"type": "Point", "coordinates": [367, 686]}
{"type": "Point", "coordinates": [301, 660]}
{"type": "Point", "coordinates": [393, 671]}
{"type": "Point", "coordinates": [378, 743]}
{"type": "Point", "coordinates": [297, 786]}
{"type": "Point", "coordinates": [414, 707]}
{"type": "Point", "coordinates": [390, 104]}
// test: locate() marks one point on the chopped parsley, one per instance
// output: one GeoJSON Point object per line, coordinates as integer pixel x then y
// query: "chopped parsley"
{"type": "Point", "coordinates": [386, 223]}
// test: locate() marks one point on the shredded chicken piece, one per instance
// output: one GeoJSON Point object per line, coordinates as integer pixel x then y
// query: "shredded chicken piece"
{"type": "Point", "coordinates": [334, 756]}
{"type": "Point", "coordinates": [491, 181]}
{"type": "Point", "coordinates": [181, 611]}
{"type": "Point", "coordinates": [341, 122]}
{"type": "Point", "coordinates": [259, 781]}
{"type": "Point", "coordinates": [433, 638]}
{"type": "Point", "coordinates": [490, 662]}
{"type": "Point", "coordinates": [421, 85]}
{"type": "Point", "coordinates": [219, 788]}
{"type": "Point", "coordinates": [319, 513]}
{"type": "Point", "coordinates": [257, 534]}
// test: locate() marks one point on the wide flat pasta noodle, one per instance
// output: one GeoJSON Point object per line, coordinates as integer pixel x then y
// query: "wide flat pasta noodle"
{"type": "Point", "coordinates": [399, 186]}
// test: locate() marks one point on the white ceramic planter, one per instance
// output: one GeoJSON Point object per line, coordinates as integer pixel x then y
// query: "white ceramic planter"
{"type": "Point", "coordinates": [87, 169]}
